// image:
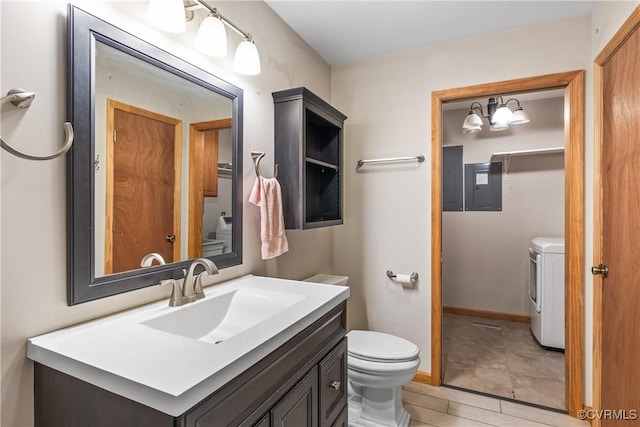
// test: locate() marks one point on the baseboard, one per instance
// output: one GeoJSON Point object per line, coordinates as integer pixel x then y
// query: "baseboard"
{"type": "Point", "coordinates": [487, 314]}
{"type": "Point", "coordinates": [422, 377]}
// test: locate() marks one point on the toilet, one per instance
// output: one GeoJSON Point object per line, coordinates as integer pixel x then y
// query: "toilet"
{"type": "Point", "coordinates": [378, 365]}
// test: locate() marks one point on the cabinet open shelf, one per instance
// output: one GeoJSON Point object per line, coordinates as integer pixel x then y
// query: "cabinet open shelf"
{"type": "Point", "coordinates": [321, 163]}
{"type": "Point", "coordinates": [308, 151]}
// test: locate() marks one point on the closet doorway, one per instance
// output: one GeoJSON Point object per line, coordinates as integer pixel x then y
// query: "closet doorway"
{"type": "Point", "coordinates": [572, 85]}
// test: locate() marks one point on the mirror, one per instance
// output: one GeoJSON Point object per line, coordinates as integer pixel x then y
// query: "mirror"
{"type": "Point", "coordinates": [155, 167]}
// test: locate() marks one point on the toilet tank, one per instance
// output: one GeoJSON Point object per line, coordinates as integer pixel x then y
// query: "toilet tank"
{"type": "Point", "coordinates": [328, 279]}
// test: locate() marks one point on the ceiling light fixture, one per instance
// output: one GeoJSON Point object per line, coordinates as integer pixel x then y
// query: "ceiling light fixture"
{"type": "Point", "coordinates": [500, 117]}
{"type": "Point", "coordinates": [211, 38]}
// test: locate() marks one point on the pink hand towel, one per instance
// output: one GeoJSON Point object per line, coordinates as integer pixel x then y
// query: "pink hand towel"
{"type": "Point", "coordinates": [266, 194]}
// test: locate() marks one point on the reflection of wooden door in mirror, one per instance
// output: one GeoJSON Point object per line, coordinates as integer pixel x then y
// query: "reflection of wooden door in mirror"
{"type": "Point", "coordinates": [143, 187]}
{"type": "Point", "coordinates": [203, 175]}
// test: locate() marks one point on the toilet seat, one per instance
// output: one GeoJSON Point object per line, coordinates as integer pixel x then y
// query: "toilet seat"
{"type": "Point", "coordinates": [378, 347]}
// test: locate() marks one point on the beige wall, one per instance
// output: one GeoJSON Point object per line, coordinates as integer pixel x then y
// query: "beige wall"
{"type": "Point", "coordinates": [33, 277]}
{"type": "Point", "coordinates": [485, 260]}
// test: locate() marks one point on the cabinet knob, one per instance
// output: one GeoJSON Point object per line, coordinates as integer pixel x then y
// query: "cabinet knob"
{"type": "Point", "coordinates": [335, 385]}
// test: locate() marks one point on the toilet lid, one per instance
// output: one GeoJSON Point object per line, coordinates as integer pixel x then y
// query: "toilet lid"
{"type": "Point", "coordinates": [378, 346]}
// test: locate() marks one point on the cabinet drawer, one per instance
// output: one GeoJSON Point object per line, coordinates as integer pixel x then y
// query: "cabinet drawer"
{"type": "Point", "coordinates": [333, 384]}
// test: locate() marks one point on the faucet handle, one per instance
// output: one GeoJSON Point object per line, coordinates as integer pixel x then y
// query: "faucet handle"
{"type": "Point", "coordinates": [197, 286]}
{"type": "Point", "coordinates": [176, 299]}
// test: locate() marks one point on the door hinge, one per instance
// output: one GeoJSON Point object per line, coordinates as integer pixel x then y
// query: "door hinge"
{"type": "Point", "coordinates": [115, 135]}
{"type": "Point", "coordinates": [113, 226]}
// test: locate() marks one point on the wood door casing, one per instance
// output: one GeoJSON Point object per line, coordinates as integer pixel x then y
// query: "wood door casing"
{"type": "Point", "coordinates": [199, 133]}
{"type": "Point", "coordinates": [143, 186]}
{"type": "Point", "coordinates": [573, 84]}
{"type": "Point", "coordinates": [616, 376]}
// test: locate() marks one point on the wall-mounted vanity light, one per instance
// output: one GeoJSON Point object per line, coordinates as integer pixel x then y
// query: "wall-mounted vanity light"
{"type": "Point", "coordinates": [211, 39]}
{"type": "Point", "coordinates": [500, 117]}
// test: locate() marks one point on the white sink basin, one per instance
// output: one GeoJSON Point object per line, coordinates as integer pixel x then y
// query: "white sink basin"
{"type": "Point", "coordinates": [223, 316]}
{"type": "Point", "coordinates": [171, 358]}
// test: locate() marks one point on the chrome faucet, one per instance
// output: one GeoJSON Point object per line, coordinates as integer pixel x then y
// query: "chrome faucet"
{"type": "Point", "coordinates": [192, 286]}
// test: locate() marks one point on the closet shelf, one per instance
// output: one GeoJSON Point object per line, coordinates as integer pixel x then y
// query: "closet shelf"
{"type": "Point", "coordinates": [552, 150]}
{"type": "Point", "coordinates": [508, 154]}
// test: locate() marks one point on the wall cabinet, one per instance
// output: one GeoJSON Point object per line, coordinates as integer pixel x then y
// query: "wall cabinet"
{"type": "Point", "coordinates": [303, 383]}
{"type": "Point", "coordinates": [309, 155]}
{"type": "Point", "coordinates": [210, 163]}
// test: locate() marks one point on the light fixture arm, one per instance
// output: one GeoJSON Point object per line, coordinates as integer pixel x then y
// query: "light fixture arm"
{"type": "Point", "coordinates": [512, 99]}
{"type": "Point", "coordinates": [214, 12]}
{"type": "Point", "coordinates": [477, 107]}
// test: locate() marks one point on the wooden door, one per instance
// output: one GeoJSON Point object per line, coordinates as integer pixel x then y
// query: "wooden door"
{"type": "Point", "coordinates": [618, 178]}
{"type": "Point", "coordinates": [143, 209]}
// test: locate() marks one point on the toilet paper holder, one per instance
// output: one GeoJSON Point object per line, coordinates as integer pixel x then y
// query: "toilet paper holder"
{"type": "Point", "coordinates": [413, 277]}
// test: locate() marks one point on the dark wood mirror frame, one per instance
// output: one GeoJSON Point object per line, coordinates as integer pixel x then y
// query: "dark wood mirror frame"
{"type": "Point", "coordinates": [84, 30]}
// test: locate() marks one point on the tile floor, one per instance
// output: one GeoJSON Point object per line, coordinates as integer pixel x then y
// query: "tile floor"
{"type": "Point", "coordinates": [505, 362]}
{"type": "Point", "coordinates": [442, 406]}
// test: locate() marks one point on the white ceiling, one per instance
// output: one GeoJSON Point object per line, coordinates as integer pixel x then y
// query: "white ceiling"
{"type": "Point", "coordinates": [352, 30]}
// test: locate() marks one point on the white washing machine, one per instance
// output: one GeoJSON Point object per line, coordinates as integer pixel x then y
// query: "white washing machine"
{"type": "Point", "coordinates": [546, 290]}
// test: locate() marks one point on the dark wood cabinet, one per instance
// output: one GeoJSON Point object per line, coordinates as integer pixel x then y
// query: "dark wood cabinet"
{"type": "Point", "coordinates": [300, 384]}
{"type": "Point", "coordinates": [309, 155]}
{"type": "Point", "coordinates": [333, 384]}
{"type": "Point", "coordinates": [299, 408]}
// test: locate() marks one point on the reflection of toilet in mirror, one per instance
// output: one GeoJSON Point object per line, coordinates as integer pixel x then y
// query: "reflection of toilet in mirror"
{"type": "Point", "coordinates": [378, 365]}
{"type": "Point", "coordinates": [223, 231]}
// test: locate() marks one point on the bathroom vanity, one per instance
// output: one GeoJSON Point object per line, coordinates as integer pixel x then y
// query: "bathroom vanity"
{"type": "Point", "coordinates": [255, 352]}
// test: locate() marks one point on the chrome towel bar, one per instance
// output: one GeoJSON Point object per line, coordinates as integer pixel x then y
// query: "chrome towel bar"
{"type": "Point", "coordinates": [419, 158]}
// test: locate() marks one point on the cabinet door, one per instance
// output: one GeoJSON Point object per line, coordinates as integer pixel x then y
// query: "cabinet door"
{"type": "Point", "coordinates": [342, 420]}
{"type": "Point", "coordinates": [264, 422]}
{"type": "Point", "coordinates": [210, 163]}
{"type": "Point", "coordinates": [333, 384]}
{"type": "Point", "coordinates": [299, 408]}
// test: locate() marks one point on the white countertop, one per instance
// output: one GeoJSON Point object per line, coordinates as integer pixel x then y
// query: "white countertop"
{"type": "Point", "coordinates": [172, 373]}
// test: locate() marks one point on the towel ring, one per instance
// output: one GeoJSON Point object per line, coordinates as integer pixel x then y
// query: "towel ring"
{"type": "Point", "coordinates": [257, 157]}
{"type": "Point", "coordinates": [21, 98]}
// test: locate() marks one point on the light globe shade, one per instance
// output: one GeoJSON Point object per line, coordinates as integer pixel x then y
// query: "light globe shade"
{"type": "Point", "coordinates": [502, 116]}
{"type": "Point", "coordinates": [168, 15]}
{"type": "Point", "coordinates": [474, 129]}
{"type": "Point", "coordinates": [497, 127]}
{"type": "Point", "coordinates": [247, 60]}
{"type": "Point", "coordinates": [519, 117]}
{"type": "Point", "coordinates": [471, 122]}
{"type": "Point", "coordinates": [212, 37]}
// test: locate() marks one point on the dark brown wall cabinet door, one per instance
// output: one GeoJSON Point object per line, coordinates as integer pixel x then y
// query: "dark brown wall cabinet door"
{"type": "Point", "coordinates": [299, 408]}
